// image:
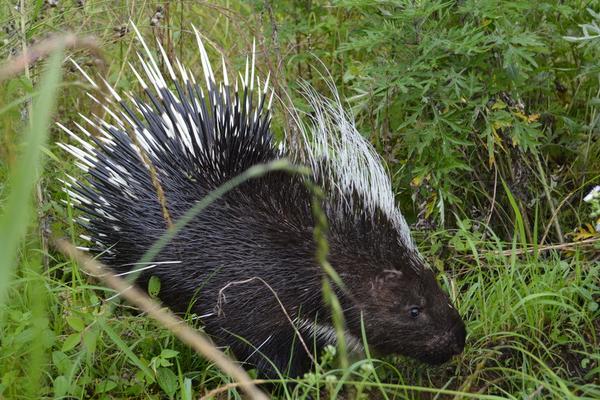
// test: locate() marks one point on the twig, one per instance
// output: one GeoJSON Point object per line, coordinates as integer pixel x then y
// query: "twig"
{"type": "Point", "coordinates": [280, 85]}
{"type": "Point", "coordinates": [550, 199]}
{"type": "Point", "coordinates": [193, 338]}
{"type": "Point", "coordinates": [39, 191]}
{"type": "Point", "coordinates": [231, 385]}
{"type": "Point", "coordinates": [466, 386]}
{"type": "Point", "coordinates": [555, 215]}
{"type": "Point", "coordinates": [44, 48]}
{"type": "Point", "coordinates": [535, 393]}
{"type": "Point", "coordinates": [489, 217]}
{"type": "Point", "coordinates": [221, 299]}
{"type": "Point", "coordinates": [160, 193]}
{"type": "Point", "coordinates": [543, 248]}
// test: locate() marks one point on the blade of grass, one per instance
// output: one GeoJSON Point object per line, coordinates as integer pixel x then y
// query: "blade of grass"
{"type": "Point", "coordinates": [518, 216]}
{"type": "Point", "coordinates": [125, 349]}
{"type": "Point", "coordinates": [17, 211]}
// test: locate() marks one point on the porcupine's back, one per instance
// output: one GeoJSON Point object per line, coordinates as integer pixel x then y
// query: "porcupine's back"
{"type": "Point", "coordinates": [195, 141]}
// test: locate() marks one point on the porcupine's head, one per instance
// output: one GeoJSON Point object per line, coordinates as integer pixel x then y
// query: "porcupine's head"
{"type": "Point", "coordinates": [388, 285]}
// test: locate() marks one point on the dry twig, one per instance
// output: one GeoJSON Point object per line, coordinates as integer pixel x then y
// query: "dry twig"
{"type": "Point", "coordinates": [46, 47]}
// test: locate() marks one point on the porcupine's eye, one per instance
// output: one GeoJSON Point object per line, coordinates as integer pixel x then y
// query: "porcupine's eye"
{"type": "Point", "coordinates": [414, 312]}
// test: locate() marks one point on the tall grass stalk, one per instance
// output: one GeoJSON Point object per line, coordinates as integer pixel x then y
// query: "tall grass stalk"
{"type": "Point", "coordinates": [16, 215]}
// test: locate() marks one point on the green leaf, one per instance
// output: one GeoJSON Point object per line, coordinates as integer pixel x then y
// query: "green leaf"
{"type": "Point", "coordinates": [71, 341]}
{"type": "Point", "coordinates": [62, 362]}
{"type": "Point", "coordinates": [105, 386]}
{"type": "Point", "coordinates": [60, 386]}
{"type": "Point", "coordinates": [167, 381]}
{"type": "Point", "coordinates": [76, 323]}
{"type": "Point", "coordinates": [168, 353]}
{"type": "Point", "coordinates": [90, 340]}
{"type": "Point", "coordinates": [154, 286]}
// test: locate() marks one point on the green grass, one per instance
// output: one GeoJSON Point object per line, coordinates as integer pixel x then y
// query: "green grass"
{"type": "Point", "coordinates": [532, 318]}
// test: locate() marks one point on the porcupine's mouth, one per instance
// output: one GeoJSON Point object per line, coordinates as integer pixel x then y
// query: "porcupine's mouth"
{"type": "Point", "coordinates": [436, 358]}
{"type": "Point", "coordinates": [444, 347]}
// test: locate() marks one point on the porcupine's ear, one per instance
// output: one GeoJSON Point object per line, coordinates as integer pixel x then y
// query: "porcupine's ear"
{"type": "Point", "coordinates": [388, 287]}
{"type": "Point", "coordinates": [384, 276]}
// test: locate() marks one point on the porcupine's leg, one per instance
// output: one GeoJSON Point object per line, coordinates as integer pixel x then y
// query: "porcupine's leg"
{"type": "Point", "coordinates": [280, 354]}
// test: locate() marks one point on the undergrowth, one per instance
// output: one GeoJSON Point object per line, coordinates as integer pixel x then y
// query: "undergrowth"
{"type": "Point", "coordinates": [487, 118]}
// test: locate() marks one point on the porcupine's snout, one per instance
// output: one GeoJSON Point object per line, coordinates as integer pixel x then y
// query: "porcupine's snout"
{"type": "Point", "coordinates": [444, 346]}
{"type": "Point", "coordinates": [459, 335]}
{"type": "Point", "coordinates": [408, 313]}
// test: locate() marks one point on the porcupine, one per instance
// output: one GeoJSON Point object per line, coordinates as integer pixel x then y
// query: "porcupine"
{"type": "Point", "coordinates": [250, 255]}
